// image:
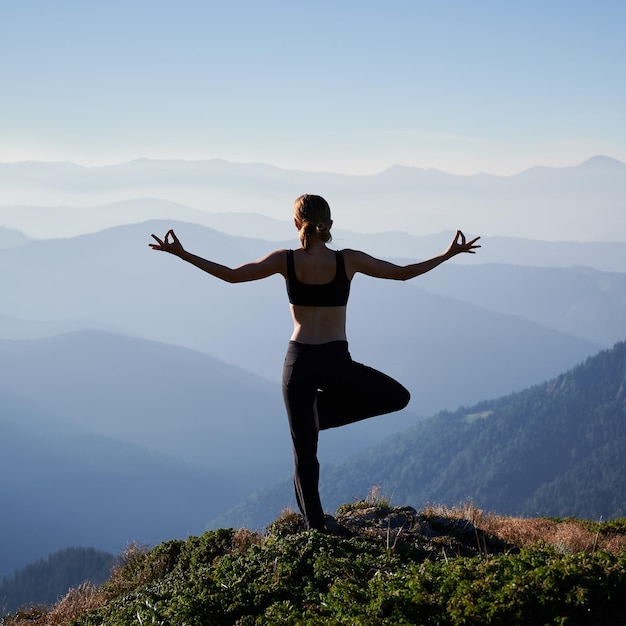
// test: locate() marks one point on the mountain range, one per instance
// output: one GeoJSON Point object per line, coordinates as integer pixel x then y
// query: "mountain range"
{"type": "Point", "coordinates": [578, 203]}
{"type": "Point", "coordinates": [112, 281]}
{"type": "Point", "coordinates": [140, 398]}
{"type": "Point", "coordinates": [88, 414]}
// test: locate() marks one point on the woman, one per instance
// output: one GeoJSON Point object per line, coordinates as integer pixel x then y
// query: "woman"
{"type": "Point", "coordinates": [322, 386]}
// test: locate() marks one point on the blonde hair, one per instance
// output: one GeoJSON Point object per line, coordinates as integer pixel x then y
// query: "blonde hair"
{"type": "Point", "coordinates": [313, 215]}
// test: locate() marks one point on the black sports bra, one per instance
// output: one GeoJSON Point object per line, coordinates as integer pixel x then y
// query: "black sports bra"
{"type": "Point", "coordinates": [334, 293]}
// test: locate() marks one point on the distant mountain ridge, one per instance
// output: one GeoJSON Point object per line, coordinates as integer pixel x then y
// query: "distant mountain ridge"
{"type": "Point", "coordinates": [555, 449]}
{"type": "Point", "coordinates": [579, 203]}
{"type": "Point", "coordinates": [56, 222]}
{"type": "Point", "coordinates": [185, 171]}
{"type": "Point", "coordinates": [11, 238]}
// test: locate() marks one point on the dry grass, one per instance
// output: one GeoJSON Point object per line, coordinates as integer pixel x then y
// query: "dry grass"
{"type": "Point", "coordinates": [466, 511]}
{"type": "Point", "coordinates": [129, 571]}
{"type": "Point", "coordinates": [567, 535]}
{"type": "Point", "coordinates": [76, 602]}
{"type": "Point", "coordinates": [244, 539]}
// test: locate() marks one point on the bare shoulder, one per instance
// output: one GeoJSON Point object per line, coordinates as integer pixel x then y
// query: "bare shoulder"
{"type": "Point", "coordinates": [277, 254]}
{"type": "Point", "coordinates": [356, 261]}
{"type": "Point", "coordinates": [272, 263]}
{"type": "Point", "coordinates": [279, 261]}
{"type": "Point", "coordinates": [357, 256]}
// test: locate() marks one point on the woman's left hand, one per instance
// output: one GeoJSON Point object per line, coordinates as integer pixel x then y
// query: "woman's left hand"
{"type": "Point", "coordinates": [165, 245]}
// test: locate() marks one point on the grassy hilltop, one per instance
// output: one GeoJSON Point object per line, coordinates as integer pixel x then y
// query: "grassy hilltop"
{"type": "Point", "coordinates": [381, 565]}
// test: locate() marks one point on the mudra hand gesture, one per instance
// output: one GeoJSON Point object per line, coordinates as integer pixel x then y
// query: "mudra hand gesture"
{"type": "Point", "coordinates": [459, 245]}
{"type": "Point", "coordinates": [173, 247]}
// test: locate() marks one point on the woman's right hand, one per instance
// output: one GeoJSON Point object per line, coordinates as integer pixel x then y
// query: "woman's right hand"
{"type": "Point", "coordinates": [165, 245]}
{"type": "Point", "coordinates": [459, 245]}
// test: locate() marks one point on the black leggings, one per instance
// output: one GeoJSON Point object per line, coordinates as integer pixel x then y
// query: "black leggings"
{"type": "Point", "coordinates": [344, 392]}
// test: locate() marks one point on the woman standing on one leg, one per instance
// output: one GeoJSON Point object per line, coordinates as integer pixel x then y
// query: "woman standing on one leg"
{"type": "Point", "coordinates": [322, 386]}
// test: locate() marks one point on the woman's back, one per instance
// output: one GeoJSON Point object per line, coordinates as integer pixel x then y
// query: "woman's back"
{"type": "Point", "coordinates": [318, 289]}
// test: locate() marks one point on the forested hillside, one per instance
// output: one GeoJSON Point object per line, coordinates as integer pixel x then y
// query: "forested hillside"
{"type": "Point", "coordinates": [47, 580]}
{"type": "Point", "coordinates": [556, 449]}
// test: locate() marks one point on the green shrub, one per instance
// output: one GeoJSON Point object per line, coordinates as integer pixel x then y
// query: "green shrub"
{"type": "Point", "coordinates": [229, 577]}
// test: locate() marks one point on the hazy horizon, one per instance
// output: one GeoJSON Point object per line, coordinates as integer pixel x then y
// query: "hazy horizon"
{"type": "Point", "coordinates": [385, 168]}
{"type": "Point", "coordinates": [582, 203]}
{"type": "Point", "coordinates": [352, 88]}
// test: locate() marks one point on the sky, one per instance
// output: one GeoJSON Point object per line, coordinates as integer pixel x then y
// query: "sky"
{"type": "Point", "coordinates": [340, 86]}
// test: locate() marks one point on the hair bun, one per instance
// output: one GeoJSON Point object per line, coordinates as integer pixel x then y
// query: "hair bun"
{"type": "Point", "coordinates": [312, 213]}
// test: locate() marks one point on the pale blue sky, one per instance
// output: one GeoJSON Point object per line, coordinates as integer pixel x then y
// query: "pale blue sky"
{"type": "Point", "coordinates": [346, 86]}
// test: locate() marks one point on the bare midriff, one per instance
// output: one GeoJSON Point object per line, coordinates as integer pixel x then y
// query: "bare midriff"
{"type": "Point", "coordinates": [318, 324]}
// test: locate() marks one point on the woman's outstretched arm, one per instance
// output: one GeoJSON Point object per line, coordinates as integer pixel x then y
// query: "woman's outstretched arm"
{"type": "Point", "coordinates": [366, 264]}
{"type": "Point", "coordinates": [273, 263]}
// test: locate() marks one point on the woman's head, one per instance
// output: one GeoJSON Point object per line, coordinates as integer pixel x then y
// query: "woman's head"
{"type": "Point", "coordinates": [312, 216]}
